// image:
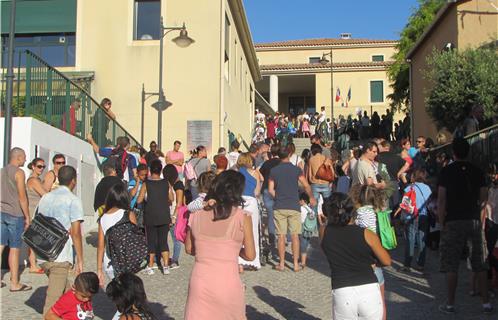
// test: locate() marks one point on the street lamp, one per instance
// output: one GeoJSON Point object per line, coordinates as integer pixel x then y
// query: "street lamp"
{"type": "Point", "coordinates": [325, 61]}
{"type": "Point", "coordinates": [183, 41]}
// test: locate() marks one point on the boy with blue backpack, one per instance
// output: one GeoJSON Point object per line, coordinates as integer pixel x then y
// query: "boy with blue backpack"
{"type": "Point", "coordinates": [309, 226]}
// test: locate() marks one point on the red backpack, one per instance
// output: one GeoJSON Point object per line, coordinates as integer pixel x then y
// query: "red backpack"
{"type": "Point", "coordinates": [409, 203]}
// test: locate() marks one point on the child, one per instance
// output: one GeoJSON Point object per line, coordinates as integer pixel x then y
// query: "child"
{"type": "Point", "coordinates": [76, 304]}
{"type": "Point", "coordinates": [205, 180]}
{"type": "Point", "coordinates": [128, 293]}
{"type": "Point", "coordinates": [308, 220]}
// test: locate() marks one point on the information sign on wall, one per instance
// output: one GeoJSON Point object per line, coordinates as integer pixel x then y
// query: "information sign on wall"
{"type": "Point", "coordinates": [199, 132]}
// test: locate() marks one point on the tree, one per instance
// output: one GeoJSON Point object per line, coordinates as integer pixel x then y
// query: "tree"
{"type": "Point", "coordinates": [398, 72]}
{"type": "Point", "coordinates": [459, 80]}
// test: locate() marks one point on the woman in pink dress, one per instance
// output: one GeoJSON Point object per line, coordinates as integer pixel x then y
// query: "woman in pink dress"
{"type": "Point", "coordinates": [216, 237]}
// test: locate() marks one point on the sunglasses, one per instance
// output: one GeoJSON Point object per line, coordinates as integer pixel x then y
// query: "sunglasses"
{"type": "Point", "coordinates": [40, 166]}
{"type": "Point", "coordinates": [60, 162]}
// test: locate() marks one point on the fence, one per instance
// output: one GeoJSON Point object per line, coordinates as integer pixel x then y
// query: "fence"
{"type": "Point", "coordinates": [49, 96]}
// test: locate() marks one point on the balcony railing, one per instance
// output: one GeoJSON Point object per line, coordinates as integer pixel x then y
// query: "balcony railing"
{"type": "Point", "coordinates": [48, 95]}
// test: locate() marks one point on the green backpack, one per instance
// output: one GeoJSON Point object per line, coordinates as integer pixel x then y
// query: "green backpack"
{"type": "Point", "coordinates": [385, 230]}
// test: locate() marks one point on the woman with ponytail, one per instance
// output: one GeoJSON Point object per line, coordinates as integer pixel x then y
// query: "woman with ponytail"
{"type": "Point", "coordinates": [351, 251]}
{"type": "Point", "coordinates": [217, 236]}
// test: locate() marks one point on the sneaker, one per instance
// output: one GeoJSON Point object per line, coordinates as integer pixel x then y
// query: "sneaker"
{"type": "Point", "coordinates": [487, 309]}
{"type": "Point", "coordinates": [155, 267]}
{"type": "Point", "coordinates": [165, 270]}
{"type": "Point", "coordinates": [447, 309]}
{"type": "Point", "coordinates": [174, 265]}
{"type": "Point", "coordinates": [149, 271]}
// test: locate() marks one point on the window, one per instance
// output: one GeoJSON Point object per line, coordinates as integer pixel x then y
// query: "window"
{"type": "Point", "coordinates": [379, 57]}
{"type": "Point", "coordinates": [58, 50]}
{"type": "Point", "coordinates": [147, 20]}
{"type": "Point", "coordinates": [227, 47]}
{"type": "Point", "coordinates": [376, 91]}
{"type": "Point", "coordinates": [314, 60]}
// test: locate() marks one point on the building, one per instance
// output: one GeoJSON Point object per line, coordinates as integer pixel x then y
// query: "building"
{"type": "Point", "coordinates": [458, 25]}
{"type": "Point", "coordinates": [114, 45]}
{"type": "Point", "coordinates": [296, 78]}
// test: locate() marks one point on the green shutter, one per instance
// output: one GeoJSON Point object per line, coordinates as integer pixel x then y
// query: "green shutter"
{"type": "Point", "coordinates": [378, 58]}
{"type": "Point", "coordinates": [376, 91]}
{"type": "Point", "coordinates": [40, 16]}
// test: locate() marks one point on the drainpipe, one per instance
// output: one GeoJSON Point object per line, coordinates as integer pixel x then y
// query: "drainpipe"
{"type": "Point", "coordinates": [10, 86]}
{"type": "Point", "coordinates": [222, 76]}
{"type": "Point", "coordinates": [410, 87]}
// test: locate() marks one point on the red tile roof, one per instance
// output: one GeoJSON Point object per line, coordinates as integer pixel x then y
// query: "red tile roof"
{"type": "Point", "coordinates": [321, 42]}
{"type": "Point", "coordinates": [317, 66]}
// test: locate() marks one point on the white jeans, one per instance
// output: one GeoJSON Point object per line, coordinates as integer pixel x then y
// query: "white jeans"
{"type": "Point", "coordinates": [361, 302]}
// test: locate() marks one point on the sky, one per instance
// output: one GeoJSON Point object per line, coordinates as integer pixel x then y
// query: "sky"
{"type": "Point", "coordinates": [275, 20]}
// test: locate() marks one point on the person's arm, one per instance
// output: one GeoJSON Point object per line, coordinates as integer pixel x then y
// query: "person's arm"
{"type": "Point", "coordinates": [248, 251]}
{"type": "Point", "coordinates": [134, 190]}
{"type": "Point", "coordinates": [23, 197]}
{"type": "Point", "coordinates": [90, 140]}
{"type": "Point", "coordinates": [111, 114]}
{"type": "Point", "coordinates": [49, 180]}
{"type": "Point", "coordinates": [50, 315]}
{"type": "Point", "coordinates": [179, 162]}
{"type": "Point", "coordinates": [441, 204]}
{"type": "Point", "coordinates": [37, 185]}
{"type": "Point", "coordinates": [374, 242]}
{"type": "Point", "coordinates": [141, 194]}
{"type": "Point", "coordinates": [189, 243]}
{"type": "Point", "coordinates": [402, 171]}
{"type": "Point", "coordinates": [345, 167]}
{"type": "Point", "coordinates": [307, 189]}
{"type": "Point", "coordinates": [196, 205]}
{"type": "Point", "coordinates": [271, 187]}
{"type": "Point", "coordinates": [100, 255]}
{"type": "Point", "coordinates": [78, 245]}
{"type": "Point", "coordinates": [257, 176]}
{"type": "Point", "coordinates": [179, 203]}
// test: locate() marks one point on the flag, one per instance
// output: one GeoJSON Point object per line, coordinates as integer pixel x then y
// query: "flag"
{"type": "Point", "coordinates": [338, 95]}
{"type": "Point", "coordinates": [349, 93]}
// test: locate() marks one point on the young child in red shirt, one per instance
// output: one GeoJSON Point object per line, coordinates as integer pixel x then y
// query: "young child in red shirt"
{"type": "Point", "coordinates": [76, 304]}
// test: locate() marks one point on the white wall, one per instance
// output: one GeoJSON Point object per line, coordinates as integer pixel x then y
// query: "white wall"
{"type": "Point", "coordinates": [38, 139]}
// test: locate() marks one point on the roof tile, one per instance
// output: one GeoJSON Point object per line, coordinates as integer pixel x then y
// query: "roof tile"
{"type": "Point", "coordinates": [308, 66]}
{"type": "Point", "coordinates": [321, 42]}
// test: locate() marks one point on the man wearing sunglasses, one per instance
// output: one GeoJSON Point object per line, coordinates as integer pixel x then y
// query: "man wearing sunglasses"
{"type": "Point", "coordinates": [51, 178]}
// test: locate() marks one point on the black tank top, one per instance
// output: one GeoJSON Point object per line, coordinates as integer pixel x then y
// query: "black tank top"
{"type": "Point", "coordinates": [157, 206]}
{"type": "Point", "coordinates": [350, 257]}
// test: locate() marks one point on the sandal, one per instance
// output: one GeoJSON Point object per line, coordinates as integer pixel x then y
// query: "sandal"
{"type": "Point", "coordinates": [37, 271]}
{"type": "Point", "coordinates": [299, 269]}
{"type": "Point", "coordinates": [24, 287]}
{"type": "Point", "coordinates": [279, 268]}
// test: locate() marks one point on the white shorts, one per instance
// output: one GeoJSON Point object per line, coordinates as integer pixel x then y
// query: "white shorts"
{"type": "Point", "coordinates": [361, 302]}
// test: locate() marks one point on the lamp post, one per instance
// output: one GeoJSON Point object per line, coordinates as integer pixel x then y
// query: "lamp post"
{"type": "Point", "coordinates": [325, 61]}
{"type": "Point", "coordinates": [183, 41]}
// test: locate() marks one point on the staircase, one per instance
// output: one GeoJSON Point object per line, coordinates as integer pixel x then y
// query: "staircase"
{"type": "Point", "coordinates": [301, 144]}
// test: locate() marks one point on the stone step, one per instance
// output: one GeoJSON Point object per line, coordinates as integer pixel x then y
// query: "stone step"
{"type": "Point", "coordinates": [301, 144]}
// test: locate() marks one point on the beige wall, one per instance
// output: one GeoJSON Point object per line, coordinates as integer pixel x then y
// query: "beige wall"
{"type": "Point", "coordinates": [192, 76]}
{"type": "Point", "coordinates": [477, 23]}
{"type": "Point", "coordinates": [341, 54]}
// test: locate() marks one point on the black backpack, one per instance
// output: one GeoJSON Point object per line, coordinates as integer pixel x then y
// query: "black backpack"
{"type": "Point", "coordinates": [119, 160]}
{"type": "Point", "coordinates": [126, 246]}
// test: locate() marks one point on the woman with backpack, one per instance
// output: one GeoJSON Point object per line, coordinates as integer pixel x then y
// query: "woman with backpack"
{"type": "Point", "coordinates": [117, 204]}
{"type": "Point", "coordinates": [350, 251]}
{"type": "Point", "coordinates": [216, 237]}
{"type": "Point", "coordinates": [178, 207]}
{"type": "Point", "coordinates": [157, 217]}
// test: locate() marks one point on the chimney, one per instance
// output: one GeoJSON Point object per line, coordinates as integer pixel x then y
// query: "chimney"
{"type": "Point", "coordinates": [345, 35]}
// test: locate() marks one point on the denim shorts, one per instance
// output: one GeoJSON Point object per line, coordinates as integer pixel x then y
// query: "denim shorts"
{"type": "Point", "coordinates": [12, 229]}
{"type": "Point", "coordinates": [380, 275]}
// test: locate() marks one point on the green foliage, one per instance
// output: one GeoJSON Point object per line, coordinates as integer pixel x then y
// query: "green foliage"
{"type": "Point", "coordinates": [398, 72]}
{"type": "Point", "coordinates": [460, 79]}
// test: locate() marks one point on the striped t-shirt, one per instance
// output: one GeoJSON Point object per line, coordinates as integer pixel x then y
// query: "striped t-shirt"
{"type": "Point", "coordinates": [366, 218]}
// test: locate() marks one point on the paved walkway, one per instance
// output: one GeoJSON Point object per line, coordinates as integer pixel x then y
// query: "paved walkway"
{"type": "Point", "coordinates": [270, 294]}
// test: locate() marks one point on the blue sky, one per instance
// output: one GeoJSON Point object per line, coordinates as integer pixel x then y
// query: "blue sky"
{"type": "Point", "coordinates": [274, 20]}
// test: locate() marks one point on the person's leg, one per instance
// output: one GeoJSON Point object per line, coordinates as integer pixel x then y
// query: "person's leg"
{"type": "Point", "coordinates": [294, 218]}
{"type": "Point", "coordinates": [423, 230]}
{"type": "Point", "coordinates": [163, 247]}
{"type": "Point", "coordinates": [14, 268]}
{"type": "Point", "coordinates": [315, 189]}
{"type": "Point", "coordinates": [281, 229]}
{"type": "Point", "coordinates": [478, 261]}
{"type": "Point", "coordinates": [150, 235]}
{"type": "Point", "coordinates": [177, 246]}
{"type": "Point", "coordinates": [57, 273]}
{"type": "Point", "coordinates": [281, 250]}
{"type": "Point", "coordinates": [453, 239]}
{"type": "Point", "coordinates": [16, 228]}
{"type": "Point", "coordinates": [303, 247]}
{"type": "Point", "coordinates": [410, 243]}
{"type": "Point", "coordinates": [452, 279]}
{"type": "Point", "coordinates": [33, 266]}
{"type": "Point", "coordinates": [268, 202]}
{"type": "Point", "coordinates": [295, 251]}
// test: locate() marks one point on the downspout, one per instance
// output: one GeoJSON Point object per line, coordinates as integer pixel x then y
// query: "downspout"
{"type": "Point", "coordinates": [410, 87]}
{"type": "Point", "coordinates": [222, 76]}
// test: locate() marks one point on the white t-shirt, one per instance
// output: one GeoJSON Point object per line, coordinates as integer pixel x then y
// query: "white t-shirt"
{"type": "Point", "coordinates": [305, 210]}
{"type": "Point", "coordinates": [295, 159]}
{"type": "Point", "coordinates": [323, 115]}
{"type": "Point", "coordinates": [232, 158]}
{"type": "Point", "coordinates": [107, 221]}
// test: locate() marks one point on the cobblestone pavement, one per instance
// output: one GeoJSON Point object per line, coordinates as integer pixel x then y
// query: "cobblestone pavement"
{"type": "Point", "coordinates": [270, 294]}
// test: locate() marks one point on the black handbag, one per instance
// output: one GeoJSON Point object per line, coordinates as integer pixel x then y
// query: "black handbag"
{"type": "Point", "coordinates": [46, 236]}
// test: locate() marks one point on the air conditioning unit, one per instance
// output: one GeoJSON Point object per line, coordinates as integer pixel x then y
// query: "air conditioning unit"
{"type": "Point", "coordinates": [62, 39]}
{"type": "Point", "coordinates": [346, 35]}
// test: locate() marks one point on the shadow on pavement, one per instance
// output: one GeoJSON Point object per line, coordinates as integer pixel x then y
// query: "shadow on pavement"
{"type": "Point", "coordinates": [284, 306]}
{"type": "Point", "coordinates": [37, 299]}
{"type": "Point", "coordinates": [253, 314]}
{"type": "Point", "coordinates": [92, 238]}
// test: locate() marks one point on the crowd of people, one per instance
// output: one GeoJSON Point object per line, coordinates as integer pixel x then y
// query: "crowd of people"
{"type": "Point", "coordinates": [336, 194]}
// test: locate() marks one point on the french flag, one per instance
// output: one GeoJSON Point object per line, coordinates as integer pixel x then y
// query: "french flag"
{"type": "Point", "coordinates": [338, 95]}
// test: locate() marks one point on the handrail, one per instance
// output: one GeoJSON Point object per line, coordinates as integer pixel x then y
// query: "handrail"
{"type": "Point", "coordinates": [97, 104]}
{"type": "Point", "coordinates": [472, 135]}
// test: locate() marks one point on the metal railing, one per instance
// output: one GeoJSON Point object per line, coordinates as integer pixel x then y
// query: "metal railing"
{"type": "Point", "coordinates": [46, 94]}
{"type": "Point", "coordinates": [483, 147]}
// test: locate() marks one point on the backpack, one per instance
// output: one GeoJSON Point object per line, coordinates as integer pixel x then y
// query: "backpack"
{"type": "Point", "coordinates": [385, 230]}
{"type": "Point", "coordinates": [119, 160]}
{"type": "Point", "coordinates": [181, 224]}
{"type": "Point", "coordinates": [309, 224]}
{"type": "Point", "coordinates": [408, 204]}
{"type": "Point", "coordinates": [189, 170]}
{"type": "Point", "coordinates": [126, 246]}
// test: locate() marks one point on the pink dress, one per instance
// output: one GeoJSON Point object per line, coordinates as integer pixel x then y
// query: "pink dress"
{"type": "Point", "coordinates": [215, 289]}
